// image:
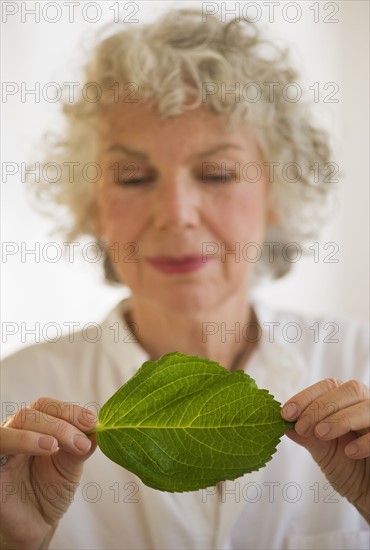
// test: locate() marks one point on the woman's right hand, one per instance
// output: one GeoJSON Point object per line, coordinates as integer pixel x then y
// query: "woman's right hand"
{"type": "Point", "coordinates": [47, 447]}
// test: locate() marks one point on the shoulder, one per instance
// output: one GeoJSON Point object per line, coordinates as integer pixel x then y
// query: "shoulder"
{"type": "Point", "coordinates": [52, 351]}
{"type": "Point", "coordinates": [72, 346]}
{"type": "Point", "coordinates": [50, 369]}
{"type": "Point", "coordinates": [328, 345]}
{"type": "Point", "coordinates": [86, 364]}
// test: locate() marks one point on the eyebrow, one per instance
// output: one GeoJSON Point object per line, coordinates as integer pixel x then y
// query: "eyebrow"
{"type": "Point", "coordinates": [218, 148]}
{"type": "Point", "coordinates": [144, 156]}
{"type": "Point", "coordinates": [123, 149]}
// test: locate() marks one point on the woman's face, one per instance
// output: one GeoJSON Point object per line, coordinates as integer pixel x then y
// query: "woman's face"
{"type": "Point", "coordinates": [176, 208]}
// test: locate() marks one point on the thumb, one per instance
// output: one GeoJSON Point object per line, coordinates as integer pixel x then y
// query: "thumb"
{"type": "Point", "coordinates": [70, 465]}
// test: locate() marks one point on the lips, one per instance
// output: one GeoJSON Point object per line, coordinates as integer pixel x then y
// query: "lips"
{"type": "Point", "coordinates": [178, 264]}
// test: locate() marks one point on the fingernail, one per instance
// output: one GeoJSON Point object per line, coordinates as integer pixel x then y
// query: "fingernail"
{"type": "Point", "coordinates": [290, 411]}
{"type": "Point", "coordinates": [87, 418]}
{"type": "Point", "coordinates": [303, 425]}
{"type": "Point", "coordinates": [48, 443]}
{"type": "Point", "coordinates": [352, 449]}
{"type": "Point", "coordinates": [82, 442]}
{"type": "Point", "coordinates": [323, 429]}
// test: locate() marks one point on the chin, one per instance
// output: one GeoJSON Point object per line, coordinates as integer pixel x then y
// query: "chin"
{"type": "Point", "coordinates": [194, 302]}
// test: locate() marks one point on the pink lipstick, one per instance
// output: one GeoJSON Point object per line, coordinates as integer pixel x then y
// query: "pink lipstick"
{"type": "Point", "coordinates": [178, 265]}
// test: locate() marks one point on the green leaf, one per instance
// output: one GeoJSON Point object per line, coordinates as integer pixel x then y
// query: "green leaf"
{"type": "Point", "coordinates": [184, 423]}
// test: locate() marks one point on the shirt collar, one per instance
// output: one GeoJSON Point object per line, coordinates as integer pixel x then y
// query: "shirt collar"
{"type": "Point", "coordinates": [275, 364]}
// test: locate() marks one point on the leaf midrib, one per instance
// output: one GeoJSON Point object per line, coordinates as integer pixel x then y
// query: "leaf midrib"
{"type": "Point", "coordinates": [188, 427]}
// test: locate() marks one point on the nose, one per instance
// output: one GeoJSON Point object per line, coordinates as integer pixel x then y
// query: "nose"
{"type": "Point", "coordinates": [176, 204]}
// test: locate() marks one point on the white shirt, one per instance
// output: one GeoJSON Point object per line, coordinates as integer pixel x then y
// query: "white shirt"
{"type": "Point", "coordinates": [286, 505]}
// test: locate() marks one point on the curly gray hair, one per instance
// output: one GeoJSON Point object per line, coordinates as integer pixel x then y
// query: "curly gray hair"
{"type": "Point", "coordinates": [181, 62]}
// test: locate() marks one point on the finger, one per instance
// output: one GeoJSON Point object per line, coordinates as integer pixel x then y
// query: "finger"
{"type": "Point", "coordinates": [81, 417]}
{"type": "Point", "coordinates": [69, 438]}
{"type": "Point", "coordinates": [322, 400]}
{"type": "Point", "coordinates": [359, 448]}
{"type": "Point", "coordinates": [294, 407]}
{"type": "Point", "coordinates": [25, 442]}
{"type": "Point", "coordinates": [350, 419]}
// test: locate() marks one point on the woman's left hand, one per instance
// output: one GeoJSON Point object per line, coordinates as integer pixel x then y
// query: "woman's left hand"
{"type": "Point", "coordinates": [333, 424]}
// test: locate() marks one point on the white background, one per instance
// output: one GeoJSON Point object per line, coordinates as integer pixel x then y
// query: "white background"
{"type": "Point", "coordinates": [62, 292]}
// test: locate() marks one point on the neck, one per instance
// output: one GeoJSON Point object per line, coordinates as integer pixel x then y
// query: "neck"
{"type": "Point", "coordinates": [218, 334]}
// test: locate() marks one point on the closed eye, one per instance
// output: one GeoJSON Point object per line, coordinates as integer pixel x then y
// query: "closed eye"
{"type": "Point", "coordinates": [219, 178]}
{"type": "Point", "coordinates": [131, 174]}
{"type": "Point", "coordinates": [135, 181]}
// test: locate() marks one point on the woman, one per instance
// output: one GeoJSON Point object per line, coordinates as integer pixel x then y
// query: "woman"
{"type": "Point", "coordinates": [172, 147]}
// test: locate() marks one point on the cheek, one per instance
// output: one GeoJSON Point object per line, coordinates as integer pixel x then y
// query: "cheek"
{"type": "Point", "coordinates": [115, 216]}
{"type": "Point", "coordinates": [244, 215]}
